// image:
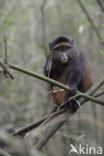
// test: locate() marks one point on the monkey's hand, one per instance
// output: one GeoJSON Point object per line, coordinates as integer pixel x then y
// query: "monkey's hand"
{"type": "Point", "coordinates": [71, 105]}
{"type": "Point", "coordinates": [72, 91]}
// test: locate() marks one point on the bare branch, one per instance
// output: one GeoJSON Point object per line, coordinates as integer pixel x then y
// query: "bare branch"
{"type": "Point", "coordinates": [5, 44]}
{"type": "Point", "coordinates": [41, 77]}
{"type": "Point", "coordinates": [4, 63]}
{"type": "Point", "coordinates": [99, 94]}
{"type": "Point", "coordinates": [95, 87]}
{"type": "Point", "coordinates": [4, 153]}
{"type": "Point", "coordinates": [90, 98]}
{"type": "Point", "coordinates": [43, 24]}
{"type": "Point", "coordinates": [6, 70]}
{"type": "Point", "coordinates": [93, 90]}
{"type": "Point", "coordinates": [49, 134]}
{"type": "Point", "coordinates": [42, 125]}
{"type": "Point", "coordinates": [56, 83]}
{"type": "Point", "coordinates": [89, 19]}
{"type": "Point", "coordinates": [35, 124]}
{"type": "Point", "coordinates": [100, 5]}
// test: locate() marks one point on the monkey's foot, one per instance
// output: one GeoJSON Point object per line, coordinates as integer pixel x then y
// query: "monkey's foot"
{"type": "Point", "coordinates": [72, 105]}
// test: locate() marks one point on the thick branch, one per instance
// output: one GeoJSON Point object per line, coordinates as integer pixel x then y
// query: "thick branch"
{"type": "Point", "coordinates": [49, 134]}
{"type": "Point", "coordinates": [46, 138]}
{"type": "Point", "coordinates": [35, 124]}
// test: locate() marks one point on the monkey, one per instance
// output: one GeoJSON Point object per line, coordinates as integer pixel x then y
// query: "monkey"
{"type": "Point", "coordinates": [67, 64]}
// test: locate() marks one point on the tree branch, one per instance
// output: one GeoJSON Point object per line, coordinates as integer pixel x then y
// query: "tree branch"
{"type": "Point", "coordinates": [35, 124]}
{"type": "Point", "coordinates": [89, 19]}
{"type": "Point", "coordinates": [99, 94]}
{"type": "Point", "coordinates": [44, 2]}
{"type": "Point", "coordinates": [90, 98]}
{"type": "Point", "coordinates": [85, 97]}
{"type": "Point", "coordinates": [6, 70]}
{"type": "Point", "coordinates": [4, 153]}
{"type": "Point", "coordinates": [5, 44]}
{"type": "Point", "coordinates": [41, 77]}
{"type": "Point", "coordinates": [44, 78]}
{"type": "Point", "coordinates": [46, 138]}
{"type": "Point", "coordinates": [100, 5]}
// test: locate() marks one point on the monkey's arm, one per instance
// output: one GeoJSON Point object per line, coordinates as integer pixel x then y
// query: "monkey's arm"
{"type": "Point", "coordinates": [74, 79]}
{"type": "Point", "coordinates": [48, 66]}
{"type": "Point", "coordinates": [87, 81]}
{"type": "Point", "coordinates": [76, 75]}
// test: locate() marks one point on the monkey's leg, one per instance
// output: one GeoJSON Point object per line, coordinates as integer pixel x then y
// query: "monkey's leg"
{"type": "Point", "coordinates": [73, 82]}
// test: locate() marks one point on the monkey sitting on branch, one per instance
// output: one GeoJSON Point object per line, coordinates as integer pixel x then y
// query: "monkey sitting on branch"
{"type": "Point", "coordinates": [68, 65]}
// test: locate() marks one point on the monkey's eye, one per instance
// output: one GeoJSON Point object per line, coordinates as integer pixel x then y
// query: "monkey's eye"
{"type": "Point", "coordinates": [64, 58]}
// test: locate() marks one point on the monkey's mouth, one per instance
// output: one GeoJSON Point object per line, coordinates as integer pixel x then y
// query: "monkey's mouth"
{"type": "Point", "coordinates": [64, 58]}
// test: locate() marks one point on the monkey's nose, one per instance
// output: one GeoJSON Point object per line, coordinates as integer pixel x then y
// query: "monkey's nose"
{"type": "Point", "coordinates": [64, 58]}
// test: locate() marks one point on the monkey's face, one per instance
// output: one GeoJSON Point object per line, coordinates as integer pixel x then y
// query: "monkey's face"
{"type": "Point", "coordinates": [61, 56]}
{"type": "Point", "coordinates": [60, 50]}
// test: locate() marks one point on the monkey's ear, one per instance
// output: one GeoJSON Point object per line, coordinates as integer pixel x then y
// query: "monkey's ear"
{"type": "Point", "coordinates": [72, 41]}
{"type": "Point", "coordinates": [50, 45]}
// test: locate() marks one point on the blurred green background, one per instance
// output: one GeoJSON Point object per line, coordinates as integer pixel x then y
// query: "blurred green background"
{"type": "Point", "coordinates": [29, 25]}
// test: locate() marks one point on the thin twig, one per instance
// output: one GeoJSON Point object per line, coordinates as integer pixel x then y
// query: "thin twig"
{"type": "Point", "coordinates": [99, 94]}
{"type": "Point", "coordinates": [44, 2]}
{"type": "Point", "coordinates": [101, 5]}
{"type": "Point", "coordinates": [4, 63]}
{"type": "Point", "coordinates": [90, 98]}
{"type": "Point", "coordinates": [5, 66]}
{"type": "Point", "coordinates": [98, 85]}
{"type": "Point", "coordinates": [93, 90]}
{"type": "Point", "coordinates": [89, 19]}
{"type": "Point", "coordinates": [5, 45]}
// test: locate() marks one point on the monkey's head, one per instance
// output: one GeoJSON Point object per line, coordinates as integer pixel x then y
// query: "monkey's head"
{"type": "Point", "coordinates": [59, 48]}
